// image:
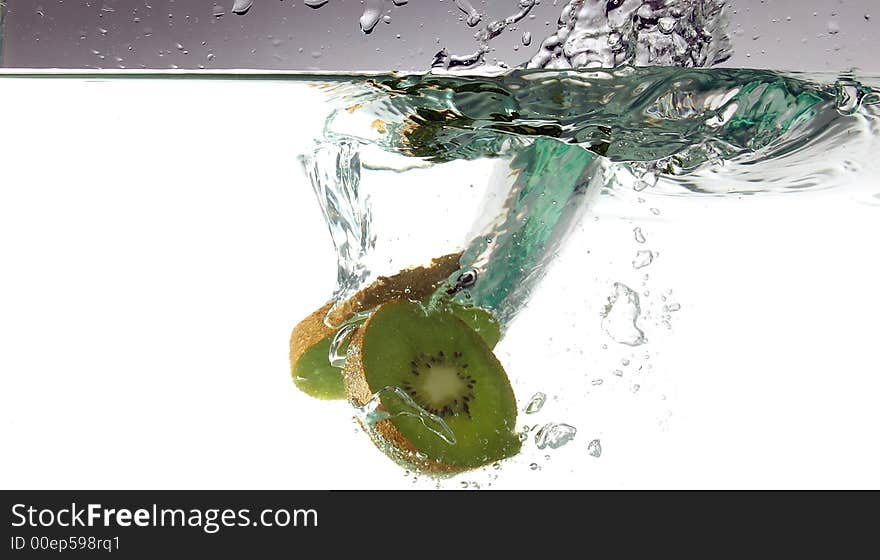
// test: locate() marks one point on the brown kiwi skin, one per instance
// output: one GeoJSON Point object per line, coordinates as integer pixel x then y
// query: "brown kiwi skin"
{"type": "Point", "coordinates": [308, 332]}
{"type": "Point", "coordinates": [413, 284]}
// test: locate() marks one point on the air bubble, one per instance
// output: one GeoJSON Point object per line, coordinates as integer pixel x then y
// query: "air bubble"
{"type": "Point", "coordinates": [642, 259]}
{"type": "Point", "coordinates": [536, 403]}
{"type": "Point", "coordinates": [241, 7]}
{"type": "Point", "coordinates": [371, 15]}
{"type": "Point", "coordinates": [554, 435]}
{"type": "Point", "coordinates": [621, 315]}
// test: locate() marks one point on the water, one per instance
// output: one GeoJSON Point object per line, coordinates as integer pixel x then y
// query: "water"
{"type": "Point", "coordinates": [561, 138]}
{"type": "Point", "coordinates": [661, 146]}
{"type": "Point", "coordinates": [770, 250]}
{"type": "Point", "coordinates": [628, 225]}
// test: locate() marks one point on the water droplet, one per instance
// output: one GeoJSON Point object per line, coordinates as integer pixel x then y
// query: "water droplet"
{"type": "Point", "coordinates": [534, 466]}
{"type": "Point", "coordinates": [554, 435]}
{"type": "Point", "coordinates": [536, 403]}
{"type": "Point", "coordinates": [218, 11]}
{"type": "Point", "coordinates": [526, 38]}
{"type": "Point", "coordinates": [314, 3]}
{"type": "Point", "coordinates": [597, 382]}
{"type": "Point", "coordinates": [655, 211]}
{"type": "Point", "coordinates": [640, 237]}
{"type": "Point", "coordinates": [833, 28]}
{"type": "Point", "coordinates": [620, 316]}
{"type": "Point", "coordinates": [595, 448]}
{"type": "Point", "coordinates": [241, 7]}
{"type": "Point", "coordinates": [672, 307]}
{"type": "Point", "coordinates": [371, 15]}
{"type": "Point", "coordinates": [642, 259]}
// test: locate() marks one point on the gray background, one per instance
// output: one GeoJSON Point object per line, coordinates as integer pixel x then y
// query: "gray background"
{"type": "Point", "coordinates": [288, 35]}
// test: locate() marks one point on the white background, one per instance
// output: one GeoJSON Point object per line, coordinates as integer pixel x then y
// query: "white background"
{"type": "Point", "coordinates": [158, 241]}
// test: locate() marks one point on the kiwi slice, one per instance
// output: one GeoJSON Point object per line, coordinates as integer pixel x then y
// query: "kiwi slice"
{"type": "Point", "coordinates": [447, 369]}
{"type": "Point", "coordinates": [315, 376]}
{"type": "Point", "coordinates": [309, 358]}
{"type": "Point", "coordinates": [483, 322]}
{"type": "Point", "coordinates": [310, 340]}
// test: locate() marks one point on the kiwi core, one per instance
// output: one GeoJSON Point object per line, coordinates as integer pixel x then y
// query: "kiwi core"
{"type": "Point", "coordinates": [440, 385]}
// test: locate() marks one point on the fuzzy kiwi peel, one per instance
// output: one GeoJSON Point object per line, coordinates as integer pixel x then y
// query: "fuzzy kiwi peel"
{"type": "Point", "coordinates": [312, 336]}
{"type": "Point", "coordinates": [447, 368]}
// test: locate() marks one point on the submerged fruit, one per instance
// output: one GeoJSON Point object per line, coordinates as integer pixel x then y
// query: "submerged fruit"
{"type": "Point", "coordinates": [311, 338]}
{"type": "Point", "coordinates": [309, 357]}
{"type": "Point", "coordinates": [445, 368]}
{"type": "Point", "coordinates": [481, 321]}
{"type": "Point", "coordinates": [314, 375]}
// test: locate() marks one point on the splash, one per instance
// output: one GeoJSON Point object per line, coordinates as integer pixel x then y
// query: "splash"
{"type": "Point", "coordinates": [612, 33]}
{"type": "Point", "coordinates": [686, 124]}
{"type": "Point", "coordinates": [619, 100]}
{"type": "Point", "coordinates": [334, 171]}
{"type": "Point", "coordinates": [590, 33]}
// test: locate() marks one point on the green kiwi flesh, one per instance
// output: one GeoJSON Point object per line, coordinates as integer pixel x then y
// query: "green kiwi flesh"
{"type": "Point", "coordinates": [447, 368]}
{"type": "Point", "coordinates": [481, 321]}
{"type": "Point", "coordinates": [313, 374]}
{"type": "Point", "coordinates": [311, 338]}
